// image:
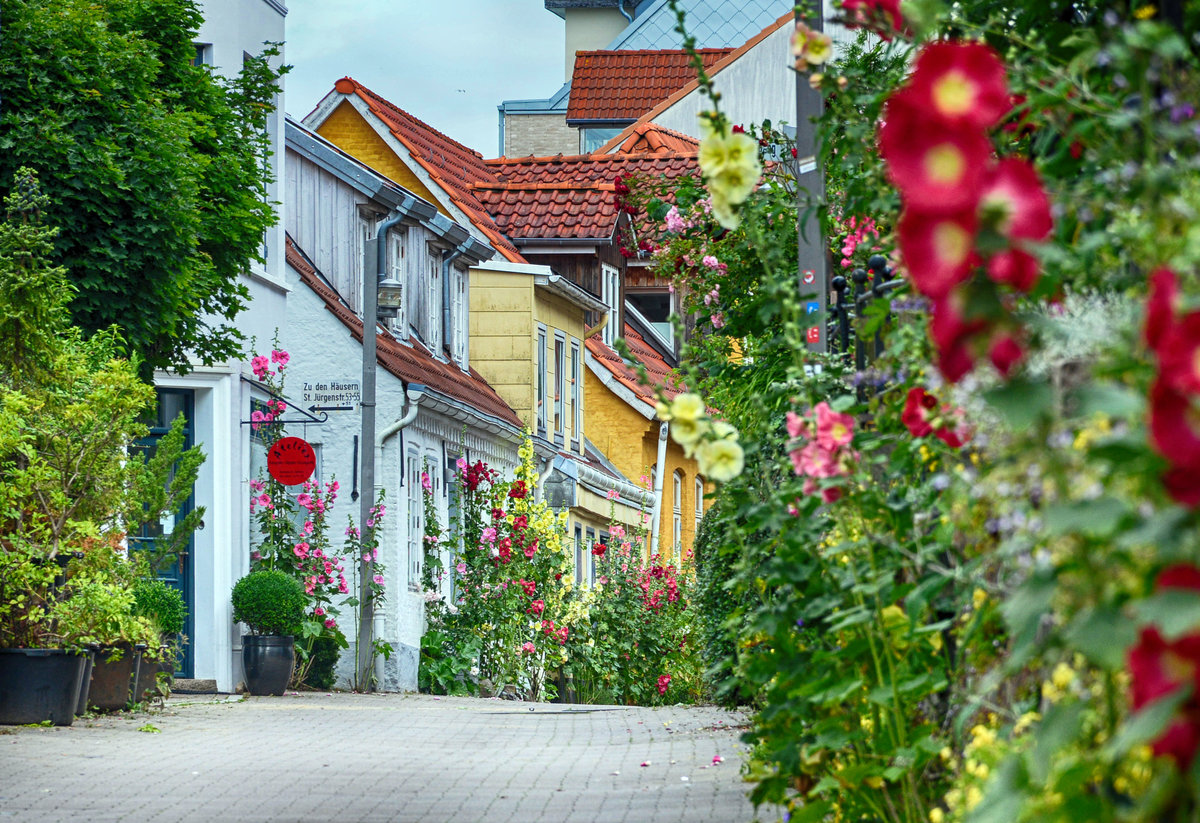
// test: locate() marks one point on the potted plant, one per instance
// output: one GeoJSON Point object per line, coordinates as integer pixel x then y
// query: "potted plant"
{"type": "Point", "coordinates": [162, 605]}
{"type": "Point", "coordinates": [271, 603]}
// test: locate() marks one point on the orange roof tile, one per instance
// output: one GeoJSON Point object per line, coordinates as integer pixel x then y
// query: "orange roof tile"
{"type": "Point", "coordinates": [411, 363]}
{"type": "Point", "coordinates": [682, 92]}
{"type": "Point", "coordinates": [651, 138]}
{"type": "Point", "coordinates": [623, 85]}
{"type": "Point", "coordinates": [661, 375]}
{"type": "Point", "coordinates": [452, 165]}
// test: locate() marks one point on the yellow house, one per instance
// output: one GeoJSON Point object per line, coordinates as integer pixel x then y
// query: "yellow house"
{"type": "Point", "coordinates": [528, 331]}
{"type": "Point", "coordinates": [554, 215]}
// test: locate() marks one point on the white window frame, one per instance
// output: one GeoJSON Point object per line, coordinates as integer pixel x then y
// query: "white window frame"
{"type": "Point", "coordinates": [459, 316]}
{"type": "Point", "coordinates": [677, 509]}
{"type": "Point", "coordinates": [610, 293]}
{"type": "Point", "coordinates": [576, 394]}
{"type": "Point", "coordinates": [699, 503]}
{"type": "Point", "coordinates": [543, 383]}
{"type": "Point", "coordinates": [398, 270]}
{"type": "Point", "coordinates": [364, 233]}
{"type": "Point", "coordinates": [560, 387]}
{"type": "Point", "coordinates": [416, 518]}
{"type": "Point", "coordinates": [433, 302]}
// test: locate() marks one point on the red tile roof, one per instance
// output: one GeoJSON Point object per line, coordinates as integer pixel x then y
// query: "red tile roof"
{"type": "Point", "coordinates": [651, 138]}
{"type": "Point", "coordinates": [412, 363]}
{"type": "Point", "coordinates": [551, 210]}
{"type": "Point", "coordinates": [591, 168]}
{"type": "Point", "coordinates": [683, 91]}
{"type": "Point", "coordinates": [623, 85]}
{"type": "Point", "coordinates": [661, 375]}
{"type": "Point", "coordinates": [453, 166]}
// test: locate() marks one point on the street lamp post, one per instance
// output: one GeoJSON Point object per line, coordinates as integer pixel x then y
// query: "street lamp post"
{"type": "Point", "coordinates": [374, 253]}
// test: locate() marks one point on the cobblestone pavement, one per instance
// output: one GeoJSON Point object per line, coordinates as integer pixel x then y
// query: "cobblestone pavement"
{"type": "Point", "coordinates": [344, 757]}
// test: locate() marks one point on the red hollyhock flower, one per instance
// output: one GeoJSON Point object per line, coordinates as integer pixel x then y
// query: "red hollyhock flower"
{"type": "Point", "coordinates": [938, 166]}
{"type": "Point", "coordinates": [1183, 484]}
{"type": "Point", "coordinates": [1162, 306]}
{"type": "Point", "coordinates": [961, 82]}
{"type": "Point", "coordinates": [1174, 426]}
{"type": "Point", "coordinates": [599, 549]}
{"type": "Point", "coordinates": [1017, 268]}
{"type": "Point", "coordinates": [951, 332]}
{"type": "Point", "coordinates": [518, 490]}
{"type": "Point", "coordinates": [918, 408]}
{"type": "Point", "coordinates": [882, 16]}
{"type": "Point", "coordinates": [1158, 669]}
{"type": "Point", "coordinates": [1179, 354]}
{"type": "Point", "coordinates": [1014, 202]}
{"type": "Point", "coordinates": [1005, 352]}
{"type": "Point", "coordinates": [938, 250]}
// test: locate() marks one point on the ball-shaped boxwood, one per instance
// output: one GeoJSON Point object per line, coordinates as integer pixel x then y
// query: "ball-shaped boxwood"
{"type": "Point", "coordinates": [269, 602]}
{"type": "Point", "coordinates": [162, 604]}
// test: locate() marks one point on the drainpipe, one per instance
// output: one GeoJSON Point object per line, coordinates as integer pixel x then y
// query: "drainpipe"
{"type": "Point", "coordinates": [621, 8]}
{"type": "Point", "coordinates": [447, 259]}
{"type": "Point", "coordinates": [413, 397]}
{"type": "Point", "coordinates": [658, 484]}
{"type": "Point", "coordinates": [370, 305]}
{"type": "Point", "coordinates": [594, 330]}
{"type": "Point", "coordinates": [543, 476]}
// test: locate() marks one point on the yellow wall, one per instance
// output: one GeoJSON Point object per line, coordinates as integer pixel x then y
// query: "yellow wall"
{"type": "Point", "coordinates": [502, 331]}
{"type": "Point", "coordinates": [347, 130]}
{"type": "Point", "coordinates": [630, 441]}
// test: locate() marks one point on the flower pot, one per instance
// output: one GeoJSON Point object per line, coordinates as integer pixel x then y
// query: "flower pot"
{"type": "Point", "coordinates": [37, 685]}
{"type": "Point", "coordinates": [113, 681]}
{"type": "Point", "coordinates": [85, 685]}
{"type": "Point", "coordinates": [269, 660]}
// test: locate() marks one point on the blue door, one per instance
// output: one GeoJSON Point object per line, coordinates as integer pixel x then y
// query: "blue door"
{"type": "Point", "coordinates": [171, 404]}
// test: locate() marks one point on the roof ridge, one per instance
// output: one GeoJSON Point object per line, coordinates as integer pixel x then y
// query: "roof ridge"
{"type": "Point", "coordinates": [389, 104]}
{"type": "Point", "coordinates": [709, 50]}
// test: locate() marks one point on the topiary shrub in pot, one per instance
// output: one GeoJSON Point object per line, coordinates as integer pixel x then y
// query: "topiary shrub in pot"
{"type": "Point", "coordinates": [271, 604]}
{"type": "Point", "coordinates": [162, 605]}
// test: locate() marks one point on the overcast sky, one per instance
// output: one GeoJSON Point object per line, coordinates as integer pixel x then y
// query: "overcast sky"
{"type": "Point", "coordinates": [447, 62]}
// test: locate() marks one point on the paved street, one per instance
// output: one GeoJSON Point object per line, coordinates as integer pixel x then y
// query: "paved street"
{"type": "Point", "coordinates": [317, 757]}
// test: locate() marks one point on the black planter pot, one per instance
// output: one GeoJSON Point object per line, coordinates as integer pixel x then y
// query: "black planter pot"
{"type": "Point", "coordinates": [147, 682]}
{"type": "Point", "coordinates": [113, 681]}
{"type": "Point", "coordinates": [85, 685]}
{"type": "Point", "coordinates": [37, 685]}
{"type": "Point", "coordinates": [269, 660]}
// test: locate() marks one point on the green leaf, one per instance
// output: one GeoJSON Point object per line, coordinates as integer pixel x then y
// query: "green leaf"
{"type": "Point", "coordinates": [811, 812]}
{"type": "Point", "coordinates": [1174, 611]}
{"type": "Point", "coordinates": [1023, 613]}
{"type": "Point", "coordinates": [1094, 518]}
{"type": "Point", "coordinates": [1060, 726]}
{"type": "Point", "coordinates": [1146, 724]}
{"type": "Point", "coordinates": [1021, 403]}
{"type": "Point", "coordinates": [1109, 398]}
{"type": "Point", "coordinates": [1103, 635]}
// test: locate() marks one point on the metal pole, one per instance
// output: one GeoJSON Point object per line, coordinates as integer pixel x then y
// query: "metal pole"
{"type": "Point", "coordinates": [366, 500]}
{"type": "Point", "coordinates": [810, 187]}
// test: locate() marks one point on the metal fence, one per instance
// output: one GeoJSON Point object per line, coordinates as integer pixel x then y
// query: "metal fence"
{"type": "Point", "coordinates": [853, 298]}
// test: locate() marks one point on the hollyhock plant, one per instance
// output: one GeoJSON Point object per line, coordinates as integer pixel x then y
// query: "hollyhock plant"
{"type": "Point", "coordinates": [938, 250]}
{"type": "Point", "coordinates": [881, 16]}
{"type": "Point", "coordinates": [923, 417]}
{"type": "Point", "coordinates": [961, 83]}
{"type": "Point", "coordinates": [1179, 353]}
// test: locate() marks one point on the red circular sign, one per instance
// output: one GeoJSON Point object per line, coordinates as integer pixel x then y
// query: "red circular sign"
{"type": "Point", "coordinates": [291, 461]}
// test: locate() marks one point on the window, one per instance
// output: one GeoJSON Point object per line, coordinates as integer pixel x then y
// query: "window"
{"type": "Point", "coordinates": [543, 409]}
{"type": "Point", "coordinates": [560, 387]}
{"type": "Point", "coordinates": [203, 56]}
{"type": "Point", "coordinates": [589, 558]}
{"type": "Point", "coordinates": [610, 293]}
{"type": "Point", "coordinates": [458, 316]}
{"type": "Point", "coordinates": [677, 510]}
{"type": "Point", "coordinates": [593, 139]}
{"type": "Point", "coordinates": [414, 293]}
{"type": "Point", "coordinates": [433, 303]}
{"type": "Point", "coordinates": [576, 395]}
{"type": "Point", "coordinates": [396, 271]}
{"type": "Point", "coordinates": [416, 520]}
{"type": "Point", "coordinates": [699, 503]}
{"type": "Point", "coordinates": [363, 237]}
{"type": "Point", "coordinates": [655, 307]}
{"type": "Point", "coordinates": [580, 556]}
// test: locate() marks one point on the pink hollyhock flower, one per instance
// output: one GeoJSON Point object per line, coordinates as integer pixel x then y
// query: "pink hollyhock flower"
{"type": "Point", "coordinates": [528, 648]}
{"type": "Point", "coordinates": [531, 550]}
{"type": "Point", "coordinates": [814, 460]}
{"type": "Point", "coordinates": [261, 366]}
{"type": "Point", "coordinates": [674, 221]}
{"type": "Point", "coordinates": [710, 262]}
{"type": "Point", "coordinates": [617, 531]}
{"type": "Point", "coordinates": [833, 429]}
{"type": "Point", "coordinates": [718, 320]}
{"type": "Point", "coordinates": [537, 607]}
{"type": "Point", "coordinates": [305, 500]}
{"type": "Point", "coordinates": [342, 586]}
{"type": "Point", "coordinates": [461, 568]}
{"type": "Point", "coordinates": [330, 623]}
{"type": "Point", "coordinates": [938, 249]}
{"type": "Point", "coordinates": [377, 579]}
{"type": "Point", "coordinates": [961, 82]}
{"type": "Point", "coordinates": [257, 485]}
{"type": "Point", "coordinates": [257, 416]}
{"type": "Point", "coordinates": [319, 612]}
{"type": "Point", "coordinates": [1005, 352]}
{"type": "Point", "coordinates": [881, 16]}
{"type": "Point", "coordinates": [797, 426]}
{"type": "Point", "coordinates": [1162, 307]}
{"type": "Point", "coordinates": [938, 166]}
{"type": "Point", "coordinates": [426, 483]}
{"type": "Point", "coordinates": [489, 534]}
{"type": "Point", "coordinates": [308, 527]}
{"type": "Point", "coordinates": [918, 408]}
{"type": "Point", "coordinates": [300, 550]}
{"type": "Point", "coordinates": [613, 494]}
{"type": "Point", "coordinates": [280, 357]}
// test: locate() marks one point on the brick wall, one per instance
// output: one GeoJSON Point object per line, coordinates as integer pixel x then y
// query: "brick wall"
{"type": "Point", "coordinates": [539, 134]}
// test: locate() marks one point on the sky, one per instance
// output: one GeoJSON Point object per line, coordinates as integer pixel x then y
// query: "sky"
{"type": "Point", "coordinates": [447, 62]}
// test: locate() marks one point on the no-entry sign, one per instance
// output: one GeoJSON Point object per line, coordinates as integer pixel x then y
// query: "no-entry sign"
{"type": "Point", "coordinates": [291, 461]}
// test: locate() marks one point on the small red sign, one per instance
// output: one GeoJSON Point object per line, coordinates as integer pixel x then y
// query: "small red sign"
{"type": "Point", "coordinates": [810, 277]}
{"type": "Point", "coordinates": [814, 334]}
{"type": "Point", "coordinates": [291, 461]}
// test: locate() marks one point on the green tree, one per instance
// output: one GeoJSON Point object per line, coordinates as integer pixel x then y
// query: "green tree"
{"type": "Point", "coordinates": [153, 167]}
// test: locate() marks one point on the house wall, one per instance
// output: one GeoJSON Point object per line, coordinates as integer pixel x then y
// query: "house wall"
{"type": "Point", "coordinates": [347, 130]}
{"type": "Point", "coordinates": [561, 317]}
{"type": "Point", "coordinates": [502, 337]}
{"type": "Point", "coordinates": [630, 441]}
{"type": "Point", "coordinates": [759, 85]}
{"type": "Point", "coordinates": [541, 135]}
{"type": "Point", "coordinates": [589, 29]}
